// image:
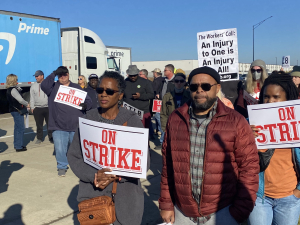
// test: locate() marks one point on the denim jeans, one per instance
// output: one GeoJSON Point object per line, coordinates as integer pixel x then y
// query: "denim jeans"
{"type": "Point", "coordinates": [62, 141]}
{"type": "Point", "coordinates": [157, 119]}
{"type": "Point", "coordinates": [221, 217]}
{"type": "Point", "coordinates": [18, 130]}
{"type": "Point", "coordinates": [275, 211]}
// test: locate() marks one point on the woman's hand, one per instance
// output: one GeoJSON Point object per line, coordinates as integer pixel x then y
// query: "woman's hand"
{"type": "Point", "coordinates": [255, 130]}
{"type": "Point", "coordinates": [102, 180]}
{"type": "Point", "coordinates": [296, 192]}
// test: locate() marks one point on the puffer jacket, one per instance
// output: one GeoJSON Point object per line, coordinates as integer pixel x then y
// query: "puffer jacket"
{"type": "Point", "coordinates": [230, 167]}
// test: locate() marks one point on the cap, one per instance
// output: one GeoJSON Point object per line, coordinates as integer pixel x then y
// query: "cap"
{"type": "Point", "coordinates": [93, 76]}
{"type": "Point", "coordinates": [259, 63]}
{"type": "Point", "coordinates": [38, 72]}
{"type": "Point", "coordinates": [296, 71]}
{"type": "Point", "coordinates": [157, 70]}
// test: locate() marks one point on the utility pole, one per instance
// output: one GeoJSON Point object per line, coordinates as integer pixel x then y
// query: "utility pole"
{"type": "Point", "coordinates": [254, 27]}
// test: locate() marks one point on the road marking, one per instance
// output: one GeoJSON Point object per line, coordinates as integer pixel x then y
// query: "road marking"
{"type": "Point", "coordinates": [13, 135]}
{"type": "Point", "coordinates": [6, 118]}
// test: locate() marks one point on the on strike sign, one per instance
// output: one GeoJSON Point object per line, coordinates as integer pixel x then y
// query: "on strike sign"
{"type": "Point", "coordinates": [121, 148]}
{"type": "Point", "coordinates": [156, 106]}
{"type": "Point", "coordinates": [278, 123]}
{"type": "Point", "coordinates": [219, 49]}
{"type": "Point", "coordinates": [70, 96]}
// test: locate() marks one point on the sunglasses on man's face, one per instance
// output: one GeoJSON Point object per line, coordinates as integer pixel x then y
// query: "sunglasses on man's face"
{"type": "Point", "coordinates": [253, 70]}
{"type": "Point", "coordinates": [204, 87]}
{"type": "Point", "coordinates": [133, 75]}
{"type": "Point", "coordinates": [179, 81]}
{"type": "Point", "coordinates": [108, 91]}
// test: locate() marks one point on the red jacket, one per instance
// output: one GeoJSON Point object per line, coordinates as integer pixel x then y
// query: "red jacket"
{"type": "Point", "coordinates": [230, 168]}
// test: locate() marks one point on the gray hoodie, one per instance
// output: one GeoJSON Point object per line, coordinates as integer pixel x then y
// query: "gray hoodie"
{"type": "Point", "coordinates": [37, 97]}
{"type": "Point", "coordinates": [129, 200]}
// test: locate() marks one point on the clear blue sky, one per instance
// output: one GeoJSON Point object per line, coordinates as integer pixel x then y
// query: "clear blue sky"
{"type": "Point", "coordinates": [166, 29]}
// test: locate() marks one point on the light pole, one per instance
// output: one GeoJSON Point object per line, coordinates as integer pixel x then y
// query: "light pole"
{"type": "Point", "coordinates": [254, 27]}
{"type": "Point", "coordinates": [276, 60]}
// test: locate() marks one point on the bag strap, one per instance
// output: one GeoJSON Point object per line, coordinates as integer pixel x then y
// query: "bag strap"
{"type": "Point", "coordinates": [114, 189]}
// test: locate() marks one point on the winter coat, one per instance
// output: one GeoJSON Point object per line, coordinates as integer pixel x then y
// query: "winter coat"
{"type": "Point", "coordinates": [230, 166]}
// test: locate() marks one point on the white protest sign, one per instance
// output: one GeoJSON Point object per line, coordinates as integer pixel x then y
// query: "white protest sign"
{"type": "Point", "coordinates": [219, 49]}
{"type": "Point", "coordinates": [123, 149]}
{"type": "Point", "coordinates": [139, 112]}
{"type": "Point", "coordinates": [286, 61]}
{"type": "Point", "coordinates": [278, 123]}
{"type": "Point", "coordinates": [249, 99]}
{"type": "Point", "coordinates": [70, 96]}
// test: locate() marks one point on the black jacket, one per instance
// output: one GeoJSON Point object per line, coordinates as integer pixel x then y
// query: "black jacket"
{"type": "Point", "coordinates": [142, 86]}
{"type": "Point", "coordinates": [93, 95]}
{"type": "Point", "coordinates": [170, 87]}
{"type": "Point", "coordinates": [157, 84]}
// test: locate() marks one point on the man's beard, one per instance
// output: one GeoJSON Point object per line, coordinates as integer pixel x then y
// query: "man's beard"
{"type": "Point", "coordinates": [204, 106]}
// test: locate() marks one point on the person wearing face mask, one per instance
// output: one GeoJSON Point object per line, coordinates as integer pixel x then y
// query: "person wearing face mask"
{"type": "Point", "coordinates": [278, 196]}
{"type": "Point", "coordinates": [174, 99]}
{"type": "Point", "coordinates": [255, 79]}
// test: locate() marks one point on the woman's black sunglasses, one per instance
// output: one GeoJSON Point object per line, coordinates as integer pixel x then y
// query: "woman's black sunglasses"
{"type": "Point", "coordinates": [204, 87]}
{"type": "Point", "coordinates": [108, 91]}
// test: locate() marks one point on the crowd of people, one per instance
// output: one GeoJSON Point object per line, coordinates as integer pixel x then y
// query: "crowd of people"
{"type": "Point", "coordinates": [212, 171]}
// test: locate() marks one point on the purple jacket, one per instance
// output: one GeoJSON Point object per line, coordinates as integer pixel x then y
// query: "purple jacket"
{"type": "Point", "coordinates": [61, 116]}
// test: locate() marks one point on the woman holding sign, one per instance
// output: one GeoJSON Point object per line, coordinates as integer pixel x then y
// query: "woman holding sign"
{"type": "Point", "coordinates": [255, 79]}
{"type": "Point", "coordinates": [278, 196]}
{"type": "Point", "coordinates": [129, 197]}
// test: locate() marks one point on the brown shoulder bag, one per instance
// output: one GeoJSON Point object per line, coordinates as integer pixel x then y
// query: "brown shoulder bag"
{"type": "Point", "coordinates": [99, 210]}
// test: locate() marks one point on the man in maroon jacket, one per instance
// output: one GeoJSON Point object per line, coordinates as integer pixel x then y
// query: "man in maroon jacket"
{"type": "Point", "coordinates": [210, 161]}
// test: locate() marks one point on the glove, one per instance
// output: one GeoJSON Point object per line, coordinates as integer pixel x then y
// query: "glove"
{"type": "Point", "coordinates": [84, 106]}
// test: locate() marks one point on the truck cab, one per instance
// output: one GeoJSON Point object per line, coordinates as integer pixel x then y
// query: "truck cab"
{"type": "Point", "coordinates": [84, 53]}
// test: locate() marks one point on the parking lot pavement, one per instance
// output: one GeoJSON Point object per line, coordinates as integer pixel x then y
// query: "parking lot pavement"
{"type": "Point", "coordinates": [31, 193]}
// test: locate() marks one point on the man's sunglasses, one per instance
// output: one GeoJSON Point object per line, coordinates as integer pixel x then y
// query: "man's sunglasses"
{"type": "Point", "coordinates": [179, 81]}
{"type": "Point", "coordinates": [107, 90]}
{"type": "Point", "coordinates": [133, 75]}
{"type": "Point", "coordinates": [253, 70]}
{"type": "Point", "coordinates": [204, 87]}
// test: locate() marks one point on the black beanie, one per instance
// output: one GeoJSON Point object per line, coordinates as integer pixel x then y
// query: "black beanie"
{"type": "Point", "coordinates": [207, 70]}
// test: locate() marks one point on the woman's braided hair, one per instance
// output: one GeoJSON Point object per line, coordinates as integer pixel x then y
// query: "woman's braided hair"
{"type": "Point", "coordinates": [283, 80]}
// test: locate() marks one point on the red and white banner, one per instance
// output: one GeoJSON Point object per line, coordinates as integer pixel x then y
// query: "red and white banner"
{"type": "Point", "coordinates": [70, 96]}
{"type": "Point", "coordinates": [156, 106]}
{"type": "Point", "coordinates": [249, 99]}
{"type": "Point", "coordinates": [278, 123]}
{"type": "Point", "coordinates": [123, 149]}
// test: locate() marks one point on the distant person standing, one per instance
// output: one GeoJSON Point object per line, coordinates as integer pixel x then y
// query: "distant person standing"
{"type": "Point", "coordinates": [91, 90]}
{"type": "Point", "coordinates": [16, 104]}
{"type": "Point", "coordinates": [63, 119]}
{"type": "Point", "coordinates": [82, 81]}
{"type": "Point", "coordinates": [39, 107]}
{"type": "Point", "coordinates": [167, 86]}
{"type": "Point", "coordinates": [174, 99]}
{"type": "Point", "coordinates": [144, 74]}
{"type": "Point", "coordinates": [138, 93]}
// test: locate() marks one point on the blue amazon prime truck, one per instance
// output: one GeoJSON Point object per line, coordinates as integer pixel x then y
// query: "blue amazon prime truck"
{"type": "Point", "coordinates": [27, 43]}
